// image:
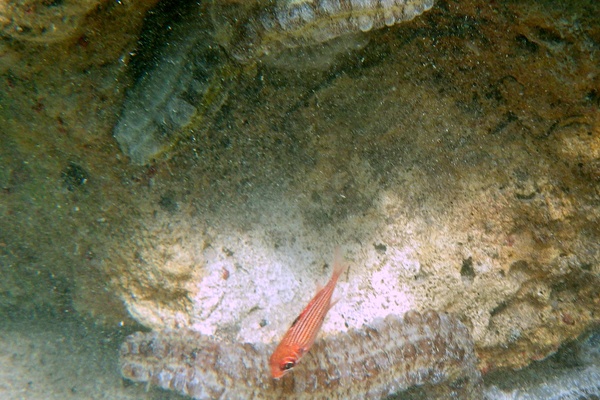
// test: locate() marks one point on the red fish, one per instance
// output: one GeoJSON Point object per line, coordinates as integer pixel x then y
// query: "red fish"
{"type": "Point", "coordinates": [301, 335]}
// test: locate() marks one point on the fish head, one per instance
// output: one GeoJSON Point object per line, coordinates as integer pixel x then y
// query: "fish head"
{"type": "Point", "coordinates": [281, 367]}
{"type": "Point", "coordinates": [283, 360]}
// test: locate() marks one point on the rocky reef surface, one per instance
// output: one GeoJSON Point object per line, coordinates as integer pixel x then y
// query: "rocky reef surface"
{"type": "Point", "coordinates": [454, 157]}
{"type": "Point", "coordinates": [572, 373]}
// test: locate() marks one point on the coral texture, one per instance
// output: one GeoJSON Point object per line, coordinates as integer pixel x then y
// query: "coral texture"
{"type": "Point", "coordinates": [388, 356]}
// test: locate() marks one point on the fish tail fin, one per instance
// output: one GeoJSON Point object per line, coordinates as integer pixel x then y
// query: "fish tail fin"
{"type": "Point", "coordinates": [319, 288]}
{"type": "Point", "coordinates": [339, 267]}
{"type": "Point", "coordinates": [333, 303]}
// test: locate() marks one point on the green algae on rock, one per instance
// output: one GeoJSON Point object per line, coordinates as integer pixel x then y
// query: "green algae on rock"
{"type": "Point", "coordinates": [383, 358]}
{"type": "Point", "coordinates": [179, 95]}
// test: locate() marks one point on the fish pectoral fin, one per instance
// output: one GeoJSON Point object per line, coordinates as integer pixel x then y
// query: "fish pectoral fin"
{"type": "Point", "coordinates": [302, 351]}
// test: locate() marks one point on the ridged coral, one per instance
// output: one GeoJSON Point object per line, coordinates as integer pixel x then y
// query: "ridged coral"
{"type": "Point", "coordinates": [385, 357]}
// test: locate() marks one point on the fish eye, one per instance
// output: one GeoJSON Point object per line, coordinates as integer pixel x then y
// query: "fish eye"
{"type": "Point", "coordinates": [288, 365]}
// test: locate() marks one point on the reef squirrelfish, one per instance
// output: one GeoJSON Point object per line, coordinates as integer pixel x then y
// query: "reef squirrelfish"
{"type": "Point", "coordinates": [301, 335]}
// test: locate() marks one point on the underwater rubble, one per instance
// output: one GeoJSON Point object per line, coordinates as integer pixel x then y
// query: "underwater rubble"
{"type": "Point", "coordinates": [454, 157]}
